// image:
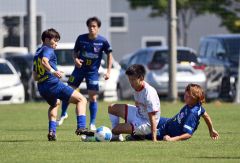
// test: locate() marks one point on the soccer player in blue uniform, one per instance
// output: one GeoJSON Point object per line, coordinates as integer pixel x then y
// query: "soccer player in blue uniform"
{"type": "Point", "coordinates": [88, 51]}
{"type": "Point", "coordinates": [185, 123]}
{"type": "Point", "coordinates": [45, 72]}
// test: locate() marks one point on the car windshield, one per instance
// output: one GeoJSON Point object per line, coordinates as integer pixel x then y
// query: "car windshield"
{"type": "Point", "coordinates": [5, 69]}
{"type": "Point", "coordinates": [182, 56]}
{"type": "Point", "coordinates": [64, 57]}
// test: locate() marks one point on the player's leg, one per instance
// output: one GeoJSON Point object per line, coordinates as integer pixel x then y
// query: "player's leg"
{"type": "Point", "coordinates": [64, 114]}
{"type": "Point", "coordinates": [73, 81]}
{"type": "Point", "coordinates": [93, 108]}
{"type": "Point", "coordinates": [115, 111]}
{"type": "Point", "coordinates": [81, 102]}
{"type": "Point", "coordinates": [92, 80]}
{"type": "Point", "coordinates": [52, 117]}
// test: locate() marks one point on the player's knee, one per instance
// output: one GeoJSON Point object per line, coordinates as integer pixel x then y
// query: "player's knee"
{"type": "Point", "coordinates": [111, 108]}
{"type": "Point", "coordinates": [83, 100]}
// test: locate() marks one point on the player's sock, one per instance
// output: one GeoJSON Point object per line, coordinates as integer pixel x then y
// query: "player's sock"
{"type": "Point", "coordinates": [93, 107]}
{"type": "Point", "coordinates": [114, 119]}
{"type": "Point", "coordinates": [81, 121]}
{"type": "Point", "coordinates": [52, 126]}
{"type": "Point", "coordinates": [64, 108]}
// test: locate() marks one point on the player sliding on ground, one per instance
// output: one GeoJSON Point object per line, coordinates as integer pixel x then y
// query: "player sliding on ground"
{"type": "Point", "coordinates": [141, 119]}
{"type": "Point", "coordinates": [185, 123]}
{"type": "Point", "coordinates": [52, 89]}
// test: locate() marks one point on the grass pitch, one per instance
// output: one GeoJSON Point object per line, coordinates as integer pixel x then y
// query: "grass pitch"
{"type": "Point", "coordinates": [23, 138]}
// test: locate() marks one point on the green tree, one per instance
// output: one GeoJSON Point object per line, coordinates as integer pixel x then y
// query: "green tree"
{"type": "Point", "coordinates": [187, 10]}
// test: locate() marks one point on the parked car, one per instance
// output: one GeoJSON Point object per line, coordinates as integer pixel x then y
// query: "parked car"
{"type": "Point", "coordinates": [186, 74]}
{"type": "Point", "coordinates": [155, 61]}
{"type": "Point", "coordinates": [11, 87]}
{"type": "Point", "coordinates": [219, 55]}
{"type": "Point", "coordinates": [107, 88]}
{"type": "Point", "coordinates": [23, 65]}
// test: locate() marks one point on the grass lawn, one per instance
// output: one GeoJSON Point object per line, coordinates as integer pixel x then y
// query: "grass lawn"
{"type": "Point", "coordinates": [24, 128]}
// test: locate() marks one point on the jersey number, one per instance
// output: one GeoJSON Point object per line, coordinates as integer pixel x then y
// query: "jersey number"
{"type": "Point", "coordinates": [88, 62]}
{"type": "Point", "coordinates": [39, 67]}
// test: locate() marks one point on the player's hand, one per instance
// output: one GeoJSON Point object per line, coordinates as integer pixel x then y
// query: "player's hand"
{"type": "Point", "coordinates": [106, 76]}
{"type": "Point", "coordinates": [58, 74]}
{"type": "Point", "coordinates": [167, 138]}
{"type": "Point", "coordinates": [78, 62]}
{"type": "Point", "coordinates": [214, 134]}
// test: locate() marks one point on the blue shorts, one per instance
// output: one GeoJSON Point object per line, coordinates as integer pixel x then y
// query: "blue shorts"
{"type": "Point", "coordinates": [160, 129]}
{"type": "Point", "coordinates": [53, 91]}
{"type": "Point", "coordinates": [91, 78]}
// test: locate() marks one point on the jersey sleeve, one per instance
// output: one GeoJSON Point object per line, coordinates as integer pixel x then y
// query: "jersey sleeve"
{"type": "Point", "coordinates": [107, 48]}
{"type": "Point", "coordinates": [152, 100]}
{"type": "Point", "coordinates": [47, 52]}
{"type": "Point", "coordinates": [77, 45]}
{"type": "Point", "coordinates": [190, 124]}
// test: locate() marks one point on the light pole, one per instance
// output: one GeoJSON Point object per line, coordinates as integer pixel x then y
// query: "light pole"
{"type": "Point", "coordinates": [172, 43]}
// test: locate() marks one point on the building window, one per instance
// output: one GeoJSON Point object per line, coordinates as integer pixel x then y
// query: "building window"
{"type": "Point", "coordinates": [148, 41]}
{"type": "Point", "coordinates": [118, 22]}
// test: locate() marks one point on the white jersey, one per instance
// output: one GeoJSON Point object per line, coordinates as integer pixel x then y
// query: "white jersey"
{"type": "Point", "coordinates": [147, 101]}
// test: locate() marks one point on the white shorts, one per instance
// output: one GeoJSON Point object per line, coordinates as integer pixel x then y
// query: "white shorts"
{"type": "Point", "coordinates": [140, 126]}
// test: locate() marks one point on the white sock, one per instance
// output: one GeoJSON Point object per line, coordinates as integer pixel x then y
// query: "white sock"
{"type": "Point", "coordinates": [114, 119]}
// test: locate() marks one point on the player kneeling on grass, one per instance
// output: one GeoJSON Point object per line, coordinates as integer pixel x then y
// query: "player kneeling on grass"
{"type": "Point", "coordinates": [141, 119]}
{"type": "Point", "coordinates": [185, 123]}
{"type": "Point", "coordinates": [52, 89]}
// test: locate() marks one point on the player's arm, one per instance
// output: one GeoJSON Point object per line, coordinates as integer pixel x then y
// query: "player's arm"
{"type": "Point", "coordinates": [184, 136]}
{"type": "Point", "coordinates": [78, 62]}
{"type": "Point", "coordinates": [213, 133]}
{"type": "Point", "coordinates": [46, 65]}
{"type": "Point", "coordinates": [109, 65]}
{"type": "Point", "coordinates": [152, 118]}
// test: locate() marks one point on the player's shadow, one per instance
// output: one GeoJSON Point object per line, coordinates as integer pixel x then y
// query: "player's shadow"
{"type": "Point", "coordinates": [221, 157]}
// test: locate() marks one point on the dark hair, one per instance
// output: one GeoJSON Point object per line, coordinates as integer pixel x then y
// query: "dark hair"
{"type": "Point", "coordinates": [136, 70]}
{"type": "Point", "coordinates": [92, 19]}
{"type": "Point", "coordinates": [196, 92]}
{"type": "Point", "coordinates": [50, 33]}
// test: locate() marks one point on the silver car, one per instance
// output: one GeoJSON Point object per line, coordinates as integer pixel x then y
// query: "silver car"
{"type": "Point", "coordinates": [155, 61]}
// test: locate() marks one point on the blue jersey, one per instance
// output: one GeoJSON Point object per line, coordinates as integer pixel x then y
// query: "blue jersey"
{"type": "Point", "coordinates": [186, 121]}
{"type": "Point", "coordinates": [91, 51]}
{"type": "Point", "coordinates": [43, 75]}
{"type": "Point", "coordinates": [49, 86]}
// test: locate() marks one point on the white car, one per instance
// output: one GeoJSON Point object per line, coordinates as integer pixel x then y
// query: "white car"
{"type": "Point", "coordinates": [11, 87]}
{"type": "Point", "coordinates": [107, 88]}
{"type": "Point", "coordinates": [186, 74]}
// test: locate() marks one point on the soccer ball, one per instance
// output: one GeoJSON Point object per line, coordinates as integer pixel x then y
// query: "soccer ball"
{"type": "Point", "coordinates": [103, 134]}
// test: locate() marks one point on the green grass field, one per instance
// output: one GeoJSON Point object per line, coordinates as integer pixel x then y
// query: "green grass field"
{"type": "Point", "coordinates": [23, 138]}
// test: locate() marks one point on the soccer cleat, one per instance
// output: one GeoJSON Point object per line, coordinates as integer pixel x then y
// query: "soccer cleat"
{"type": "Point", "coordinates": [51, 136]}
{"type": "Point", "coordinates": [84, 131]}
{"type": "Point", "coordinates": [117, 138]}
{"type": "Point", "coordinates": [134, 137]}
{"type": "Point", "coordinates": [61, 119]}
{"type": "Point", "coordinates": [92, 127]}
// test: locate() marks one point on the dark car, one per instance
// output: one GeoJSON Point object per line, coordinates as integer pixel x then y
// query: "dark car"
{"type": "Point", "coordinates": [219, 55]}
{"type": "Point", "coordinates": [23, 65]}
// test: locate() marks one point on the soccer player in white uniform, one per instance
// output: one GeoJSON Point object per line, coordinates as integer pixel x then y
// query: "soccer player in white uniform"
{"type": "Point", "coordinates": [142, 118]}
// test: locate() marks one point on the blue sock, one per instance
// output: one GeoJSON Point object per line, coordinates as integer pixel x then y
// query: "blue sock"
{"type": "Point", "coordinates": [81, 121]}
{"type": "Point", "coordinates": [93, 107]}
{"type": "Point", "coordinates": [64, 108]}
{"type": "Point", "coordinates": [52, 125]}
